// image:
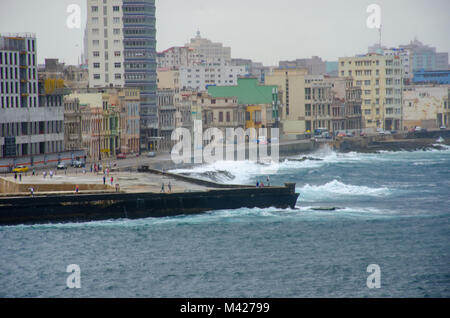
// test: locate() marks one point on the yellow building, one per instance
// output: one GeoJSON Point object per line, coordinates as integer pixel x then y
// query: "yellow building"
{"type": "Point", "coordinates": [381, 81]}
{"type": "Point", "coordinates": [306, 100]}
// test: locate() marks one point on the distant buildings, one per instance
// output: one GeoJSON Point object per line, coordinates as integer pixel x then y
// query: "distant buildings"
{"type": "Point", "coordinates": [121, 49]}
{"type": "Point", "coordinates": [381, 80]}
{"type": "Point", "coordinates": [31, 110]}
{"type": "Point", "coordinates": [426, 106]}
{"type": "Point", "coordinates": [199, 77]}
{"type": "Point", "coordinates": [432, 77]}
{"type": "Point", "coordinates": [426, 57]}
{"type": "Point", "coordinates": [178, 56]}
{"type": "Point", "coordinates": [314, 65]}
{"type": "Point", "coordinates": [72, 124]}
{"type": "Point", "coordinates": [209, 51]}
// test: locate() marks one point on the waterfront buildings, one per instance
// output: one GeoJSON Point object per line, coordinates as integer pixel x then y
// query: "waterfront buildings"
{"type": "Point", "coordinates": [31, 116]}
{"type": "Point", "coordinates": [426, 106]}
{"type": "Point", "coordinates": [129, 100]}
{"type": "Point", "coordinates": [72, 124]}
{"type": "Point", "coordinates": [381, 80]}
{"type": "Point", "coordinates": [306, 101]}
{"type": "Point", "coordinates": [261, 101]}
{"type": "Point", "coordinates": [167, 118]}
{"type": "Point", "coordinates": [100, 115]}
{"type": "Point", "coordinates": [121, 50]}
{"type": "Point", "coordinates": [346, 105]}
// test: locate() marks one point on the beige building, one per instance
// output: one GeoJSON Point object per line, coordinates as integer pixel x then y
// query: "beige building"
{"type": "Point", "coordinates": [381, 81]}
{"type": "Point", "coordinates": [210, 52]}
{"type": "Point", "coordinates": [72, 124]}
{"type": "Point", "coordinates": [129, 103]}
{"type": "Point", "coordinates": [306, 100]}
{"type": "Point", "coordinates": [426, 106]}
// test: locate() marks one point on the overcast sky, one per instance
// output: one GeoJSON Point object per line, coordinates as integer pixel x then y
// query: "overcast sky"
{"type": "Point", "coordinates": [263, 30]}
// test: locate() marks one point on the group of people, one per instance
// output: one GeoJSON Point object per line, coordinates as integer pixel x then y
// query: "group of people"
{"type": "Point", "coordinates": [168, 185]}
{"type": "Point", "coordinates": [261, 184]}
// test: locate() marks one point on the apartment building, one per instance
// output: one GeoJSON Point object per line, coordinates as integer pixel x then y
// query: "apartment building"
{"type": "Point", "coordinates": [72, 124]}
{"type": "Point", "coordinates": [210, 52]}
{"type": "Point", "coordinates": [167, 118]}
{"type": "Point", "coordinates": [199, 77]}
{"type": "Point", "coordinates": [121, 50]}
{"type": "Point", "coordinates": [381, 80]}
{"type": "Point", "coordinates": [177, 56]}
{"type": "Point", "coordinates": [31, 117]}
{"type": "Point", "coordinates": [305, 103]}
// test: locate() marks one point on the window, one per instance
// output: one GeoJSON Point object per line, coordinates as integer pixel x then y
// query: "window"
{"type": "Point", "coordinates": [116, 8]}
{"type": "Point", "coordinates": [94, 9]}
{"type": "Point", "coordinates": [94, 20]}
{"type": "Point", "coordinates": [116, 53]}
{"type": "Point", "coordinates": [96, 53]}
{"type": "Point", "coordinates": [220, 117]}
{"type": "Point", "coordinates": [96, 65]}
{"type": "Point", "coordinates": [117, 65]}
{"type": "Point", "coordinates": [116, 20]}
{"type": "Point", "coordinates": [116, 31]}
{"type": "Point", "coordinates": [95, 42]}
{"type": "Point", "coordinates": [117, 76]}
{"type": "Point", "coordinates": [95, 31]}
{"type": "Point", "coordinates": [96, 76]}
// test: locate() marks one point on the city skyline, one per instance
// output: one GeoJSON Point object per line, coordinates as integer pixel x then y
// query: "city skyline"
{"type": "Point", "coordinates": [327, 29]}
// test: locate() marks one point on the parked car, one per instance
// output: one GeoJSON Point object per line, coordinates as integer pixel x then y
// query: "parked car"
{"type": "Point", "coordinates": [78, 164]}
{"type": "Point", "coordinates": [363, 134]}
{"type": "Point", "coordinates": [418, 128]}
{"type": "Point", "coordinates": [61, 166]}
{"type": "Point", "coordinates": [151, 154]}
{"type": "Point", "coordinates": [342, 135]}
{"type": "Point", "coordinates": [121, 156]}
{"type": "Point", "coordinates": [442, 128]}
{"type": "Point", "coordinates": [20, 168]}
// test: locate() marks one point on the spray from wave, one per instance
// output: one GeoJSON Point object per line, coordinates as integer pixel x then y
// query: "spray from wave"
{"type": "Point", "coordinates": [333, 188]}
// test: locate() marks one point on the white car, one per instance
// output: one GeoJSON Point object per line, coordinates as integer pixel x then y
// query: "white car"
{"type": "Point", "coordinates": [418, 128]}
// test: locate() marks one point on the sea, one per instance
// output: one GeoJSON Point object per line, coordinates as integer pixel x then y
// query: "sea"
{"type": "Point", "coordinates": [365, 225]}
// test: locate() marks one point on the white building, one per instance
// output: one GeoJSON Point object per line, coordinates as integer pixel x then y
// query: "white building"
{"type": "Point", "coordinates": [105, 43]}
{"type": "Point", "coordinates": [211, 52]}
{"type": "Point", "coordinates": [177, 56]}
{"type": "Point", "coordinates": [31, 119]}
{"type": "Point", "coordinates": [198, 77]}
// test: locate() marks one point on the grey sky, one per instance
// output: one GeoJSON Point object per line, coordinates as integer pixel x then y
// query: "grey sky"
{"type": "Point", "coordinates": [263, 30]}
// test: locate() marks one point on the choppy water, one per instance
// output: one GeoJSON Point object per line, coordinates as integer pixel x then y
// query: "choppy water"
{"type": "Point", "coordinates": [394, 212]}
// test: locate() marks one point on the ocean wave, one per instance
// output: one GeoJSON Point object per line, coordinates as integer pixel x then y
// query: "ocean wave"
{"type": "Point", "coordinates": [336, 187]}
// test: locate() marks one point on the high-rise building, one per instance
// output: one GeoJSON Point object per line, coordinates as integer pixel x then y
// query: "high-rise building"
{"type": "Point", "coordinates": [425, 57]}
{"type": "Point", "coordinates": [31, 111]}
{"type": "Point", "coordinates": [315, 65]}
{"type": "Point", "coordinates": [121, 46]}
{"type": "Point", "coordinates": [381, 80]}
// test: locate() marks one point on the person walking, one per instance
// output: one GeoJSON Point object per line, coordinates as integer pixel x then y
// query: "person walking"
{"type": "Point", "coordinates": [112, 180]}
{"type": "Point", "coordinates": [104, 179]}
{"type": "Point", "coordinates": [32, 192]}
{"type": "Point", "coordinates": [257, 184]}
{"type": "Point", "coordinates": [268, 181]}
{"type": "Point", "coordinates": [15, 176]}
{"type": "Point", "coordinates": [77, 189]}
{"type": "Point", "coordinates": [34, 172]}
{"type": "Point", "coordinates": [162, 188]}
{"type": "Point", "coordinates": [170, 187]}
{"type": "Point", "coordinates": [20, 177]}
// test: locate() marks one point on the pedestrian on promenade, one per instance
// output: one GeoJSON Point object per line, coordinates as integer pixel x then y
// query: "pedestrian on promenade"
{"type": "Point", "coordinates": [32, 192]}
{"type": "Point", "coordinates": [162, 188]}
{"type": "Point", "coordinates": [104, 179]}
{"type": "Point", "coordinates": [262, 184]}
{"type": "Point", "coordinates": [112, 180]}
{"type": "Point", "coordinates": [44, 174]}
{"type": "Point", "coordinates": [20, 177]}
{"type": "Point", "coordinates": [257, 184]}
{"type": "Point", "coordinates": [268, 181]}
{"type": "Point", "coordinates": [170, 187]}
{"type": "Point", "coordinates": [77, 189]}
{"type": "Point", "coordinates": [51, 174]}
{"type": "Point", "coordinates": [15, 176]}
{"type": "Point", "coordinates": [91, 168]}
{"type": "Point", "coordinates": [34, 172]}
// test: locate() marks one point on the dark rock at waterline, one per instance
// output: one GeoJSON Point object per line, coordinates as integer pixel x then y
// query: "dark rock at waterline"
{"type": "Point", "coordinates": [305, 159]}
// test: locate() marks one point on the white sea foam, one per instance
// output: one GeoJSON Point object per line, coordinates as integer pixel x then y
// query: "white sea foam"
{"type": "Point", "coordinates": [338, 188]}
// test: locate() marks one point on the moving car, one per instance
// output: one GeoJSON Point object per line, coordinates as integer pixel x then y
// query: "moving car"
{"type": "Point", "coordinates": [20, 169]}
{"type": "Point", "coordinates": [61, 166]}
{"type": "Point", "coordinates": [442, 128]}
